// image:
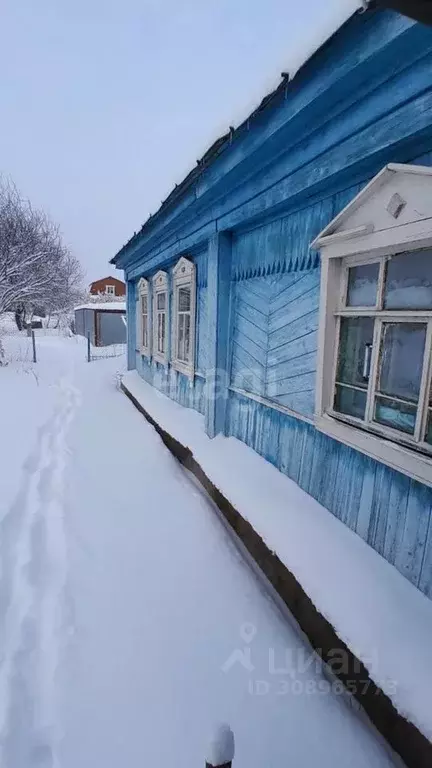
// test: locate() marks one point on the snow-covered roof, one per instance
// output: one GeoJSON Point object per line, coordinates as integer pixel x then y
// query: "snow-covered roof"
{"type": "Point", "coordinates": [104, 306]}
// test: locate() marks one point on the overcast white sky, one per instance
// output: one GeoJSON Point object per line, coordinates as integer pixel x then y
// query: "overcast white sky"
{"type": "Point", "coordinates": [105, 105]}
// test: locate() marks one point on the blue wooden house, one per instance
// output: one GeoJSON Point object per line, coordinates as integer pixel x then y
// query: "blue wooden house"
{"type": "Point", "coordinates": [284, 288]}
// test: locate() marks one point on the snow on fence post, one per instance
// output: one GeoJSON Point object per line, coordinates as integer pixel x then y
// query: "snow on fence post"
{"type": "Point", "coordinates": [34, 346]}
{"type": "Point", "coordinates": [88, 347]}
{"type": "Point", "coordinates": [221, 750]}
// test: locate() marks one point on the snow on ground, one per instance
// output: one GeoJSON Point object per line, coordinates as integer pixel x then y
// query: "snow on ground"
{"type": "Point", "coordinates": [106, 305]}
{"type": "Point", "coordinates": [130, 624]}
{"type": "Point", "coordinates": [388, 625]}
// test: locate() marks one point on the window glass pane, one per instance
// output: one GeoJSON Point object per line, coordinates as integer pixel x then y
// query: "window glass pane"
{"type": "Point", "coordinates": [162, 317]}
{"type": "Point", "coordinates": [161, 332]}
{"type": "Point", "coordinates": [144, 331]}
{"type": "Point", "coordinates": [409, 281]}
{"type": "Point", "coordinates": [428, 437]}
{"type": "Point", "coordinates": [350, 401]}
{"type": "Point", "coordinates": [362, 285]}
{"type": "Point", "coordinates": [144, 304]}
{"type": "Point", "coordinates": [401, 360]}
{"type": "Point", "coordinates": [355, 345]}
{"type": "Point", "coordinates": [400, 416]}
{"type": "Point", "coordinates": [161, 298]}
{"type": "Point", "coordinates": [187, 336]}
{"type": "Point", "coordinates": [180, 337]}
{"type": "Point", "coordinates": [184, 299]}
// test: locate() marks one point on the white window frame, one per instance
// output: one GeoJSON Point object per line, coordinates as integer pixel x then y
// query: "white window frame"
{"type": "Point", "coordinates": [184, 275]}
{"type": "Point", "coordinates": [159, 287]}
{"type": "Point", "coordinates": [143, 291]}
{"type": "Point", "coordinates": [396, 449]}
{"type": "Point", "coordinates": [110, 290]}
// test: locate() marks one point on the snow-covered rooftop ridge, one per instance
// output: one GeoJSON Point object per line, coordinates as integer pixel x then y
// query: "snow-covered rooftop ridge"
{"type": "Point", "coordinates": [104, 305]}
{"type": "Point", "coordinates": [320, 34]}
{"type": "Point", "coordinates": [299, 54]}
{"type": "Point", "coordinates": [376, 611]}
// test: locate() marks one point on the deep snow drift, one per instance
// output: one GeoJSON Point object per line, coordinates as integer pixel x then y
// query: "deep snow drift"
{"type": "Point", "coordinates": [130, 624]}
{"type": "Point", "coordinates": [389, 623]}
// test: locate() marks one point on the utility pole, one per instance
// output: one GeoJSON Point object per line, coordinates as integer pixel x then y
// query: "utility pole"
{"type": "Point", "coordinates": [34, 346]}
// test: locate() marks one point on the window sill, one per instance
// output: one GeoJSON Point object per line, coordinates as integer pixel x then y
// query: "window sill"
{"type": "Point", "coordinates": [186, 370]}
{"type": "Point", "coordinates": [161, 359]}
{"type": "Point", "coordinates": [398, 457]}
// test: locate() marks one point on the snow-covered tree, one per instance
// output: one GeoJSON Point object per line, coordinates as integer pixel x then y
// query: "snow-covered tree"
{"type": "Point", "coordinates": [36, 268]}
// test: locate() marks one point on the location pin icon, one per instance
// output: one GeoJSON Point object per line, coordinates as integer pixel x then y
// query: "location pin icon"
{"type": "Point", "coordinates": [247, 632]}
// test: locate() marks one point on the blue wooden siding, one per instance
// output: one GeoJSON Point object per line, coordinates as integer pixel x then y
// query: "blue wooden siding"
{"type": "Point", "coordinates": [388, 510]}
{"type": "Point", "coordinates": [173, 384]}
{"type": "Point", "coordinates": [201, 328]}
{"type": "Point", "coordinates": [274, 338]}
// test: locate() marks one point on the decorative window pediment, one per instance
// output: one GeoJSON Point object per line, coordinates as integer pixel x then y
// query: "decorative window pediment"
{"type": "Point", "coordinates": [160, 280]}
{"type": "Point", "coordinates": [143, 285]}
{"type": "Point", "coordinates": [374, 389]}
{"type": "Point", "coordinates": [184, 268]}
{"type": "Point", "coordinates": [184, 310]}
{"type": "Point", "coordinates": [393, 210]}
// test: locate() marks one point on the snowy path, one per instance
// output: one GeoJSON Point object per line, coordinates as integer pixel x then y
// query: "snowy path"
{"type": "Point", "coordinates": [122, 602]}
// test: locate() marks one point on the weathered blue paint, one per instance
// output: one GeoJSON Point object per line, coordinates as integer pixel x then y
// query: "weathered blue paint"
{"type": "Point", "coordinates": [218, 304]}
{"type": "Point", "coordinates": [202, 349]}
{"type": "Point", "coordinates": [363, 100]}
{"type": "Point", "coordinates": [274, 338]}
{"type": "Point", "coordinates": [263, 250]}
{"type": "Point", "coordinates": [173, 384]}
{"type": "Point", "coordinates": [131, 298]}
{"type": "Point", "coordinates": [390, 511]}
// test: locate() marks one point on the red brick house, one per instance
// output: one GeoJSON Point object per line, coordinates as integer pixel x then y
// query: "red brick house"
{"type": "Point", "coordinates": [108, 286]}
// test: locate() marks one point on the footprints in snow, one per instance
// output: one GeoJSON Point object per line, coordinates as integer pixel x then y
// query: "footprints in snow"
{"type": "Point", "coordinates": [33, 574]}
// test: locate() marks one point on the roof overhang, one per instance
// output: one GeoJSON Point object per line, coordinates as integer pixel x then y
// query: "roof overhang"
{"type": "Point", "coordinates": [420, 10]}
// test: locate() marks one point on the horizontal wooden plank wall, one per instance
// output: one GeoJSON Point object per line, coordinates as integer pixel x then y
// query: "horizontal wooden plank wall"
{"type": "Point", "coordinates": [388, 510]}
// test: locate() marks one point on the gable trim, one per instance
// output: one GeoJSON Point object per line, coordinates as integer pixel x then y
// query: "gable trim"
{"type": "Point", "coordinates": [373, 186]}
